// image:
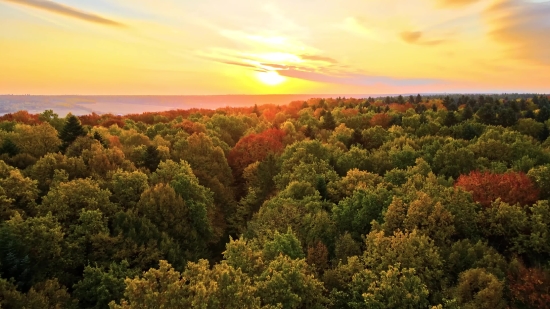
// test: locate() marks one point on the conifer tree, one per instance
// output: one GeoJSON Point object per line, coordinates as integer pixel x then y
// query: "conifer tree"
{"type": "Point", "coordinates": [9, 148]}
{"type": "Point", "coordinates": [151, 159]}
{"type": "Point", "coordinates": [328, 121]}
{"type": "Point", "coordinates": [71, 131]}
{"type": "Point", "coordinates": [418, 99]}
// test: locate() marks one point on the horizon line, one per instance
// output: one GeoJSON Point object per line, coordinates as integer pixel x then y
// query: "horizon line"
{"type": "Point", "coordinates": [274, 94]}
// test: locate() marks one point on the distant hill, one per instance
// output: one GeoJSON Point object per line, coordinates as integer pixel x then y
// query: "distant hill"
{"type": "Point", "coordinates": [80, 105]}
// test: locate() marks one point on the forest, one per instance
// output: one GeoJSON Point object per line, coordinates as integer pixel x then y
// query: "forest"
{"type": "Point", "coordinates": [435, 202]}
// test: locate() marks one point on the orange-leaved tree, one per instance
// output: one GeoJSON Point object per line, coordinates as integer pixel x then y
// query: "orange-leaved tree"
{"type": "Point", "coordinates": [255, 147]}
{"type": "Point", "coordinates": [510, 187]}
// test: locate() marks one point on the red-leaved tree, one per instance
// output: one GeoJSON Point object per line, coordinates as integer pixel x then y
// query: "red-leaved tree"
{"type": "Point", "coordinates": [381, 119]}
{"type": "Point", "coordinates": [510, 187]}
{"type": "Point", "coordinates": [530, 287]}
{"type": "Point", "coordinates": [255, 147]}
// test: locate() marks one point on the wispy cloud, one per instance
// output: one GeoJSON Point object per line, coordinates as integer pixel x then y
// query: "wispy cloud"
{"type": "Point", "coordinates": [311, 69]}
{"type": "Point", "coordinates": [415, 37]}
{"type": "Point", "coordinates": [455, 3]}
{"type": "Point", "coordinates": [68, 11]}
{"type": "Point", "coordinates": [358, 27]}
{"type": "Point", "coordinates": [318, 58]}
{"type": "Point", "coordinates": [522, 27]}
{"type": "Point", "coordinates": [357, 79]}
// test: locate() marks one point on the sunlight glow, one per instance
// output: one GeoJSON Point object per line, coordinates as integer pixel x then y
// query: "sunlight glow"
{"type": "Point", "coordinates": [270, 78]}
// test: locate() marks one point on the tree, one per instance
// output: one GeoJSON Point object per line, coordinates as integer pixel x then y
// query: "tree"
{"type": "Point", "coordinates": [423, 214]}
{"type": "Point", "coordinates": [66, 199]}
{"type": "Point", "coordinates": [198, 286]}
{"type": "Point", "coordinates": [507, 117]}
{"type": "Point", "coordinates": [97, 136]}
{"type": "Point", "coordinates": [151, 158]}
{"type": "Point", "coordinates": [393, 288]}
{"type": "Point", "coordinates": [8, 147]}
{"type": "Point", "coordinates": [127, 187]}
{"type": "Point", "coordinates": [286, 244]}
{"type": "Point", "coordinates": [400, 100]}
{"type": "Point", "coordinates": [184, 220]}
{"type": "Point", "coordinates": [418, 99]}
{"type": "Point", "coordinates": [543, 114]}
{"type": "Point", "coordinates": [159, 288]}
{"type": "Point", "coordinates": [382, 119]}
{"type": "Point", "coordinates": [289, 283]}
{"type": "Point", "coordinates": [328, 121]}
{"type": "Point", "coordinates": [52, 118]}
{"type": "Point", "coordinates": [70, 131]}
{"type": "Point", "coordinates": [467, 112]}
{"type": "Point", "coordinates": [453, 159]}
{"type": "Point", "coordinates": [255, 148]}
{"type": "Point", "coordinates": [355, 213]}
{"type": "Point", "coordinates": [529, 286]}
{"type": "Point", "coordinates": [192, 201]}
{"type": "Point", "coordinates": [478, 289]}
{"type": "Point", "coordinates": [541, 176]}
{"type": "Point", "coordinates": [410, 250]}
{"type": "Point", "coordinates": [31, 249]}
{"type": "Point", "coordinates": [36, 140]}
{"type": "Point", "coordinates": [100, 286]}
{"type": "Point", "coordinates": [510, 187]}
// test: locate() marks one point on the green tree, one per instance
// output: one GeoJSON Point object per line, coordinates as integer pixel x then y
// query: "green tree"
{"type": "Point", "coordinates": [184, 220]}
{"type": "Point", "coordinates": [66, 199]}
{"type": "Point", "coordinates": [151, 158]}
{"type": "Point", "coordinates": [52, 118]}
{"type": "Point", "coordinates": [286, 244]}
{"type": "Point", "coordinates": [8, 147]}
{"type": "Point", "coordinates": [478, 289]}
{"type": "Point", "coordinates": [70, 131]}
{"type": "Point", "coordinates": [393, 288]}
{"type": "Point", "coordinates": [31, 249]}
{"type": "Point", "coordinates": [410, 250]}
{"type": "Point", "coordinates": [328, 122]}
{"type": "Point", "coordinates": [127, 187]}
{"type": "Point", "coordinates": [355, 213]}
{"type": "Point", "coordinates": [198, 199]}
{"type": "Point", "coordinates": [36, 140]}
{"type": "Point", "coordinates": [289, 283]}
{"type": "Point", "coordinates": [100, 286]}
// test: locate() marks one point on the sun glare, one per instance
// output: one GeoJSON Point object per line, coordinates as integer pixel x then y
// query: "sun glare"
{"type": "Point", "coordinates": [270, 78]}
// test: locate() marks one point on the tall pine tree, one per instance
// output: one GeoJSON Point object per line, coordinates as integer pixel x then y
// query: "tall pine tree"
{"type": "Point", "coordinates": [328, 121]}
{"type": "Point", "coordinates": [71, 131]}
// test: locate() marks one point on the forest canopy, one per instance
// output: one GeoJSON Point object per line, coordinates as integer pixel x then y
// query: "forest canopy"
{"type": "Point", "coordinates": [391, 202]}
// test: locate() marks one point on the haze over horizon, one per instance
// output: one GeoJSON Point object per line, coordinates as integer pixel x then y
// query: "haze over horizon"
{"type": "Point", "coordinates": [210, 47]}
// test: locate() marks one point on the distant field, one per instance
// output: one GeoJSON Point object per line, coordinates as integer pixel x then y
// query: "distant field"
{"type": "Point", "coordinates": [80, 105]}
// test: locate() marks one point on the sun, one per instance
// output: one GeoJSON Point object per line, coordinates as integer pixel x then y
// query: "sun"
{"type": "Point", "coordinates": [270, 78]}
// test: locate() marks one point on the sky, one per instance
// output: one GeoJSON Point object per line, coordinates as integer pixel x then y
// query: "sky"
{"type": "Point", "coordinates": [207, 47]}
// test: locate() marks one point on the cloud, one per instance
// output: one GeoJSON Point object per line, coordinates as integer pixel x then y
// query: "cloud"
{"type": "Point", "coordinates": [246, 65]}
{"type": "Point", "coordinates": [318, 58]}
{"type": "Point", "coordinates": [357, 79]}
{"type": "Point", "coordinates": [415, 37]}
{"type": "Point", "coordinates": [68, 11]}
{"type": "Point", "coordinates": [360, 28]}
{"type": "Point", "coordinates": [455, 3]}
{"type": "Point", "coordinates": [522, 28]}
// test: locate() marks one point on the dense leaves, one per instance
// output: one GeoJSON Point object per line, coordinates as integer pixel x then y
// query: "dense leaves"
{"type": "Point", "coordinates": [509, 187]}
{"type": "Point", "coordinates": [394, 202]}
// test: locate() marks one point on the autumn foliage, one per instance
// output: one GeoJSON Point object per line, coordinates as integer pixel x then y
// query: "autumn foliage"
{"type": "Point", "coordinates": [510, 187]}
{"type": "Point", "coordinates": [255, 147]}
{"type": "Point", "coordinates": [530, 287]}
{"type": "Point", "coordinates": [383, 120]}
{"type": "Point", "coordinates": [21, 117]}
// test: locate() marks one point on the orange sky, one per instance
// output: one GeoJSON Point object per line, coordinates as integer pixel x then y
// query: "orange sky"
{"type": "Point", "coordinates": [271, 47]}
